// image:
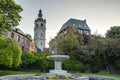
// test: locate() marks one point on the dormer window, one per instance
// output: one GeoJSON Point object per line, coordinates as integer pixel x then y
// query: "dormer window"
{"type": "Point", "coordinates": [79, 25]}
{"type": "Point", "coordinates": [80, 31]}
{"type": "Point", "coordinates": [73, 24]}
{"type": "Point", "coordinates": [65, 32]}
{"type": "Point", "coordinates": [87, 33]}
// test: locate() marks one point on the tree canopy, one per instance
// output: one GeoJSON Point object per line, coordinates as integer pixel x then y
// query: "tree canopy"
{"type": "Point", "coordinates": [114, 32]}
{"type": "Point", "coordinates": [9, 15]}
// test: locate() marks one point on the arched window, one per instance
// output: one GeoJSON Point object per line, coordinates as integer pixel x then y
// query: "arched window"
{"type": "Point", "coordinates": [41, 24]}
{"type": "Point", "coordinates": [36, 25]}
{"type": "Point", "coordinates": [41, 34]}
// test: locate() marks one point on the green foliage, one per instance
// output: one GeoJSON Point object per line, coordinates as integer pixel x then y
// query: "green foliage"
{"type": "Point", "coordinates": [52, 44]}
{"type": "Point", "coordinates": [27, 59]}
{"type": "Point", "coordinates": [67, 43]}
{"type": "Point", "coordinates": [73, 65]}
{"type": "Point", "coordinates": [117, 63]}
{"type": "Point", "coordinates": [114, 32]}
{"type": "Point", "coordinates": [9, 15]}
{"type": "Point", "coordinates": [10, 53]}
{"type": "Point", "coordinates": [29, 36]}
{"type": "Point", "coordinates": [42, 62]}
{"type": "Point", "coordinates": [36, 61]}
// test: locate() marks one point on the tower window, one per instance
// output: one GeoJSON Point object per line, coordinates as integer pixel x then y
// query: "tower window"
{"type": "Point", "coordinates": [36, 25]}
{"type": "Point", "coordinates": [41, 34]}
{"type": "Point", "coordinates": [41, 24]}
{"type": "Point", "coordinates": [36, 34]}
{"type": "Point", "coordinates": [41, 43]}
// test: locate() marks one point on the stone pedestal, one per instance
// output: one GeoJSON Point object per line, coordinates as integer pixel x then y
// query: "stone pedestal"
{"type": "Point", "coordinates": [57, 66]}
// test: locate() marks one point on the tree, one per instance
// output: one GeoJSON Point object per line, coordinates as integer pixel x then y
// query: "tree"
{"type": "Point", "coordinates": [9, 15]}
{"type": "Point", "coordinates": [10, 53]}
{"type": "Point", "coordinates": [28, 59]}
{"type": "Point", "coordinates": [112, 53]}
{"type": "Point", "coordinates": [66, 43]}
{"type": "Point", "coordinates": [114, 32]}
{"type": "Point", "coordinates": [28, 36]}
{"type": "Point", "coordinates": [52, 44]}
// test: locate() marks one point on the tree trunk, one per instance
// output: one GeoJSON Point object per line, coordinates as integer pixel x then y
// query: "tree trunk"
{"type": "Point", "coordinates": [112, 68]}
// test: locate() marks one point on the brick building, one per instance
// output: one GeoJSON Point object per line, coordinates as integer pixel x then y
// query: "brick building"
{"type": "Point", "coordinates": [23, 40]}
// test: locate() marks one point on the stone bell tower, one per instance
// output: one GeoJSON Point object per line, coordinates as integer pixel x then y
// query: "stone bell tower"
{"type": "Point", "coordinates": [39, 32]}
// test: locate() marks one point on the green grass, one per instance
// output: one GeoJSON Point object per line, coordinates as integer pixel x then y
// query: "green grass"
{"type": "Point", "coordinates": [108, 75]}
{"type": "Point", "coordinates": [3, 73]}
{"type": "Point", "coordinates": [97, 74]}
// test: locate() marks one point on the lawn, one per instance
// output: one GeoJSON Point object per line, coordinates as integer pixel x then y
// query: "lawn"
{"type": "Point", "coordinates": [98, 74]}
{"type": "Point", "coordinates": [108, 75]}
{"type": "Point", "coordinates": [3, 73]}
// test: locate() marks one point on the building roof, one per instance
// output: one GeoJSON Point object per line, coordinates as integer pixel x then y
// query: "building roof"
{"type": "Point", "coordinates": [19, 31]}
{"type": "Point", "coordinates": [75, 22]}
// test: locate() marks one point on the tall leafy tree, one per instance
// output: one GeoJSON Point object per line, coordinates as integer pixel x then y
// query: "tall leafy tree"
{"type": "Point", "coordinates": [66, 43]}
{"type": "Point", "coordinates": [114, 32]}
{"type": "Point", "coordinates": [112, 53]}
{"type": "Point", "coordinates": [9, 15]}
{"type": "Point", "coordinates": [10, 53]}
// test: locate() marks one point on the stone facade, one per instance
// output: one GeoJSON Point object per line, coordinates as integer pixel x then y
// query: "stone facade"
{"type": "Point", "coordinates": [39, 32]}
{"type": "Point", "coordinates": [25, 43]}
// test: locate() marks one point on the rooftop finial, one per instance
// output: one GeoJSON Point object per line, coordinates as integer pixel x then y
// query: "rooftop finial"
{"type": "Point", "coordinates": [40, 13]}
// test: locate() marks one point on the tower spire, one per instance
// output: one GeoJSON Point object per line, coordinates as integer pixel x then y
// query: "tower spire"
{"type": "Point", "coordinates": [40, 13]}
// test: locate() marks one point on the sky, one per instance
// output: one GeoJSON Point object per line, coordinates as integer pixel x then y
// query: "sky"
{"type": "Point", "coordinates": [100, 15]}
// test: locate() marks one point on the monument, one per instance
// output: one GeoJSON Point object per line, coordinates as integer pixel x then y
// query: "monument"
{"type": "Point", "coordinates": [58, 66]}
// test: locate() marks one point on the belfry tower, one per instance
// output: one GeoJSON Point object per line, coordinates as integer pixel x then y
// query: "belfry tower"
{"type": "Point", "coordinates": [39, 32]}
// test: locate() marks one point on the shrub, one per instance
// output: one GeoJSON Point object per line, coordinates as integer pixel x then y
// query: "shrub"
{"type": "Point", "coordinates": [117, 64]}
{"type": "Point", "coordinates": [27, 60]}
{"type": "Point", "coordinates": [94, 69]}
{"type": "Point", "coordinates": [36, 61]}
{"type": "Point", "coordinates": [73, 65]}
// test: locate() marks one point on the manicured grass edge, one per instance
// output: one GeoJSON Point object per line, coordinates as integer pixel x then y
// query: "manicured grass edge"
{"type": "Point", "coordinates": [4, 73]}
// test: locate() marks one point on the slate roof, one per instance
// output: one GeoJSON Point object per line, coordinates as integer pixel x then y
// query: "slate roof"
{"type": "Point", "coordinates": [75, 22]}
